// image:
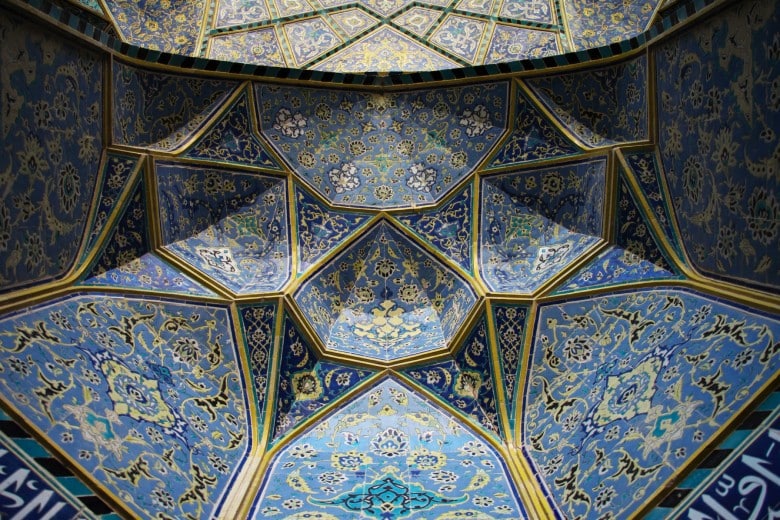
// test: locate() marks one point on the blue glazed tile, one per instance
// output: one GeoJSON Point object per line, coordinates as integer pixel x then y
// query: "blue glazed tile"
{"type": "Point", "coordinates": [388, 454]}
{"type": "Point", "coordinates": [602, 106]}
{"type": "Point", "coordinates": [383, 150]}
{"type": "Point", "coordinates": [50, 144]}
{"type": "Point", "coordinates": [231, 226]}
{"type": "Point", "coordinates": [385, 298]}
{"type": "Point", "coordinates": [533, 223]}
{"type": "Point", "coordinates": [232, 139]}
{"type": "Point", "coordinates": [257, 322]}
{"type": "Point", "coordinates": [150, 424]}
{"type": "Point", "coordinates": [466, 380]}
{"type": "Point", "coordinates": [511, 43]}
{"type": "Point", "coordinates": [321, 229]}
{"type": "Point", "coordinates": [615, 266]}
{"type": "Point", "coordinates": [448, 227]}
{"type": "Point", "coordinates": [723, 177]}
{"type": "Point", "coordinates": [510, 326]}
{"type": "Point", "coordinates": [533, 137]}
{"type": "Point", "coordinates": [656, 372]}
{"type": "Point", "coordinates": [306, 383]}
{"type": "Point", "coordinates": [160, 111]}
{"type": "Point", "coordinates": [597, 24]}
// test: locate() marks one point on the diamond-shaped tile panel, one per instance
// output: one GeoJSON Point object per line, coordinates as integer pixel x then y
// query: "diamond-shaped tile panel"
{"type": "Point", "coordinates": [239, 12]}
{"type": "Point", "coordinates": [417, 20]}
{"type": "Point", "coordinates": [354, 21]}
{"type": "Point", "coordinates": [306, 383]}
{"type": "Point", "coordinates": [541, 11]}
{"type": "Point", "coordinates": [460, 35]}
{"type": "Point", "coordinates": [259, 47]}
{"type": "Point", "coordinates": [510, 43]}
{"type": "Point", "coordinates": [385, 298]}
{"type": "Point", "coordinates": [380, 149]}
{"type": "Point", "coordinates": [534, 223]}
{"type": "Point", "coordinates": [310, 38]}
{"type": "Point", "coordinates": [622, 388]}
{"type": "Point", "coordinates": [231, 226]}
{"type": "Point", "coordinates": [466, 380]}
{"type": "Point", "coordinates": [232, 139]}
{"type": "Point", "coordinates": [384, 50]}
{"type": "Point", "coordinates": [321, 229]}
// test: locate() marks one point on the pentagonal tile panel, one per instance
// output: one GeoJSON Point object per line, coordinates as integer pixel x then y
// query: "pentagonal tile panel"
{"type": "Point", "coordinates": [535, 223]}
{"type": "Point", "coordinates": [385, 298]}
{"type": "Point", "coordinates": [229, 225]}
{"type": "Point", "coordinates": [383, 150]}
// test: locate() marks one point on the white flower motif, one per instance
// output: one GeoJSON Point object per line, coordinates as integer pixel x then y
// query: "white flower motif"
{"type": "Point", "coordinates": [422, 178]}
{"type": "Point", "coordinates": [344, 178]}
{"type": "Point", "coordinates": [476, 121]}
{"type": "Point", "coordinates": [289, 125]}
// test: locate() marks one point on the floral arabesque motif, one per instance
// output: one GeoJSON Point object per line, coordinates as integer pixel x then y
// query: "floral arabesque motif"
{"type": "Point", "coordinates": [660, 374]}
{"type": "Point", "coordinates": [510, 324]}
{"type": "Point", "coordinates": [460, 36]}
{"type": "Point", "coordinates": [594, 24]}
{"type": "Point", "coordinates": [134, 415]}
{"type": "Point", "coordinates": [388, 436]}
{"type": "Point", "coordinates": [258, 324]}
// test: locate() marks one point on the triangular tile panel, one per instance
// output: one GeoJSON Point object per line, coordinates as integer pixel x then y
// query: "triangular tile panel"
{"type": "Point", "coordinates": [510, 325]}
{"type": "Point", "coordinates": [465, 381]}
{"type": "Point", "coordinates": [321, 229]}
{"type": "Point", "coordinates": [461, 36]}
{"type": "Point", "coordinates": [232, 140]}
{"type": "Point", "coordinates": [310, 38]}
{"type": "Point", "coordinates": [258, 323]}
{"type": "Point", "coordinates": [306, 383]}
{"type": "Point", "coordinates": [447, 228]}
{"type": "Point", "coordinates": [534, 137]}
{"type": "Point", "coordinates": [417, 20]}
{"type": "Point", "coordinates": [231, 226]}
{"type": "Point", "coordinates": [354, 21]}
{"type": "Point", "coordinates": [260, 47]}
{"type": "Point", "coordinates": [510, 43]}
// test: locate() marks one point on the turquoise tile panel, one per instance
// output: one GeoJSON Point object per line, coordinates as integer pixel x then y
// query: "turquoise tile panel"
{"type": "Point", "coordinates": [163, 429]}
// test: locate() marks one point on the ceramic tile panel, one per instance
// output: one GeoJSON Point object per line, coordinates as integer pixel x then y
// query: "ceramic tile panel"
{"type": "Point", "coordinates": [594, 24]}
{"type": "Point", "coordinates": [383, 150]}
{"type": "Point", "coordinates": [484, 7]}
{"type": "Point", "coordinates": [634, 233]}
{"type": "Point", "coordinates": [288, 8]}
{"type": "Point", "coordinates": [232, 139]}
{"type": "Point", "coordinates": [229, 225]}
{"type": "Point", "coordinates": [510, 328]}
{"type": "Point", "coordinates": [160, 111]}
{"type": "Point", "coordinates": [91, 4]}
{"type": "Point", "coordinates": [306, 383]}
{"type": "Point", "coordinates": [511, 43]}
{"type": "Point", "coordinates": [465, 381]}
{"type": "Point", "coordinates": [388, 454]}
{"type": "Point", "coordinates": [150, 273]}
{"type": "Point", "coordinates": [624, 388]}
{"type": "Point", "coordinates": [534, 137]}
{"type": "Point", "coordinates": [240, 12]}
{"type": "Point", "coordinates": [114, 179]}
{"type": "Point", "coordinates": [155, 25]}
{"type": "Point", "coordinates": [385, 50]}
{"type": "Point", "coordinates": [540, 11]}
{"type": "Point", "coordinates": [258, 325]}
{"type": "Point", "coordinates": [460, 36]}
{"type": "Point", "coordinates": [163, 429]}
{"type": "Point", "coordinates": [723, 177]}
{"type": "Point", "coordinates": [310, 38]}
{"type": "Point", "coordinates": [354, 21]}
{"type": "Point", "coordinates": [600, 106]}
{"type": "Point", "coordinates": [260, 47]}
{"type": "Point", "coordinates": [385, 298]}
{"type": "Point", "coordinates": [385, 8]}
{"type": "Point", "coordinates": [536, 222]}
{"type": "Point", "coordinates": [448, 227]}
{"type": "Point", "coordinates": [51, 126]}
{"type": "Point", "coordinates": [417, 20]}
{"type": "Point", "coordinates": [615, 266]}
{"type": "Point", "coordinates": [321, 229]}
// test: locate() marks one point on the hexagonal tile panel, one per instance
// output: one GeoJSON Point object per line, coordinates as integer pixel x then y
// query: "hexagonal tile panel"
{"type": "Point", "coordinates": [385, 298]}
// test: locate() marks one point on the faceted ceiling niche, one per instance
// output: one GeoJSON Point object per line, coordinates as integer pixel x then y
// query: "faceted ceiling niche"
{"type": "Point", "coordinates": [383, 150]}
{"type": "Point", "coordinates": [385, 298]}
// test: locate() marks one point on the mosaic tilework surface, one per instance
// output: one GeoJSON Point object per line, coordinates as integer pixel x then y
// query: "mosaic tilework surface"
{"type": "Point", "coordinates": [465, 381]}
{"type": "Point", "coordinates": [306, 383]}
{"type": "Point", "coordinates": [231, 226]}
{"type": "Point", "coordinates": [383, 150]}
{"type": "Point", "coordinates": [232, 139]}
{"type": "Point", "coordinates": [511, 43]}
{"type": "Point", "coordinates": [385, 298]}
{"type": "Point", "coordinates": [388, 454]}
{"type": "Point", "coordinates": [257, 322]}
{"type": "Point", "coordinates": [600, 106]}
{"type": "Point", "coordinates": [594, 24]}
{"type": "Point", "coordinates": [51, 124]}
{"type": "Point", "coordinates": [723, 178]}
{"type": "Point", "coordinates": [510, 329]}
{"type": "Point", "coordinates": [160, 111]}
{"type": "Point", "coordinates": [320, 229]}
{"type": "Point", "coordinates": [162, 429]}
{"type": "Point", "coordinates": [535, 222]}
{"type": "Point", "coordinates": [260, 45]}
{"type": "Point", "coordinates": [623, 389]}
